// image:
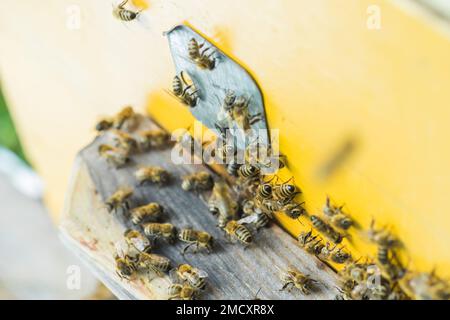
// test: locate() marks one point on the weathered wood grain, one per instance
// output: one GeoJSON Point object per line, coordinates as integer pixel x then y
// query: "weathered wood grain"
{"type": "Point", "coordinates": [234, 273]}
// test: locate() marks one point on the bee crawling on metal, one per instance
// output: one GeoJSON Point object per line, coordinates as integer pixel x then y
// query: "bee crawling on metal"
{"type": "Point", "coordinates": [200, 57]}
{"type": "Point", "coordinates": [184, 92]}
{"type": "Point", "coordinates": [124, 14]}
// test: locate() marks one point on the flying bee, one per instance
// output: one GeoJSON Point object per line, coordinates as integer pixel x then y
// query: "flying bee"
{"type": "Point", "coordinates": [222, 203]}
{"type": "Point", "coordinates": [148, 212]}
{"type": "Point", "coordinates": [326, 229]}
{"type": "Point", "coordinates": [199, 181]}
{"type": "Point", "coordinates": [125, 141]}
{"type": "Point", "coordinates": [155, 262]}
{"type": "Point", "coordinates": [200, 239]}
{"type": "Point", "coordinates": [181, 291]}
{"type": "Point", "coordinates": [114, 156]}
{"type": "Point", "coordinates": [119, 199]}
{"type": "Point", "coordinates": [152, 174]}
{"type": "Point", "coordinates": [293, 210]}
{"type": "Point", "coordinates": [125, 268]}
{"type": "Point", "coordinates": [336, 216]}
{"type": "Point", "coordinates": [124, 14]}
{"type": "Point", "coordinates": [200, 57]}
{"type": "Point", "coordinates": [156, 138]}
{"type": "Point", "coordinates": [125, 119]}
{"type": "Point", "coordinates": [285, 192]}
{"type": "Point", "coordinates": [294, 278]}
{"type": "Point", "coordinates": [160, 230]}
{"type": "Point", "coordinates": [248, 172]}
{"type": "Point", "coordinates": [186, 273]}
{"type": "Point", "coordinates": [184, 92]}
{"type": "Point", "coordinates": [238, 232]}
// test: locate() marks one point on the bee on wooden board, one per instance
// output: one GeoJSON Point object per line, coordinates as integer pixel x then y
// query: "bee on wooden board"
{"type": "Point", "coordinates": [200, 57]}
{"type": "Point", "coordinates": [184, 92]}
{"type": "Point", "coordinates": [152, 174]}
{"type": "Point", "coordinates": [181, 291]}
{"type": "Point", "coordinates": [258, 219]}
{"type": "Point", "coordinates": [148, 212]}
{"type": "Point", "coordinates": [186, 273]}
{"type": "Point", "coordinates": [137, 240]}
{"type": "Point", "coordinates": [114, 156]}
{"type": "Point", "coordinates": [222, 203]}
{"type": "Point", "coordinates": [125, 268]}
{"type": "Point", "coordinates": [199, 181]}
{"type": "Point", "coordinates": [236, 231]}
{"type": "Point", "coordinates": [155, 138]}
{"type": "Point", "coordinates": [119, 199]}
{"type": "Point", "coordinates": [154, 262]}
{"type": "Point", "coordinates": [125, 141]}
{"type": "Point", "coordinates": [326, 229]}
{"type": "Point", "coordinates": [199, 239]}
{"type": "Point", "coordinates": [336, 216]}
{"type": "Point", "coordinates": [165, 231]}
{"type": "Point", "coordinates": [295, 279]}
{"type": "Point", "coordinates": [124, 14]}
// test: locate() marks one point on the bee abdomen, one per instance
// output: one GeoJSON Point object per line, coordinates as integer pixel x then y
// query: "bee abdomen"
{"type": "Point", "coordinates": [318, 223]}
{"type": "Point", "coordinates": [262, 220]}
{"type": "Point", "coordinates": [177, 86]}
{"type": "Point", "coordinates": [248, 171]}
{"type": "Point", "coordinates": [193, 49]}
{"type": "Point", "coordinates": [126, 15]}
{"type": "Point", "coordinates": [233, 168]}
{"type": "Point", "coordinates": [383, 255]}
{"type": "Point", "coordinates": [187, 235]}
{"type": "Point", "coordinates": [243, 234]}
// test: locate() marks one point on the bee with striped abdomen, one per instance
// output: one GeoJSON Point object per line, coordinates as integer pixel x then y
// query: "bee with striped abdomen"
{"type": "Point", "coordinates": [119, 199]}
{"type": "Point", "coordinates": [263, 192]}
{"type": "Point", "coordinates": [154, 262]}
{"type": "Point", "coordinates": [184, 92]}
{"type": "Point", "coordinates": [248, 172]}
{"type": "Point", "coordinates": [222, 203]}
{"type": "Point", "coordinates": [125, 268]}
{"type": "Point", "coordinates": [200, 239]}
{"type": "Point", "coordinates": [186, 273]}
{"type": "Point", "coordinates": [285, 192]}
{"type": "Point", "coordinates": [199, 181]}
{"type": "Point", "coordinates": [126, 119]}
{"type": "Point", "coordinates": [294, 278]}
{"type": "Point", "coordinates": [124, 14]}
{"type": "Point", "coordinates": [152, 174]}
{"type": "Point", "coordinates": [114, 156]}
{"type": "Point", "coordinates": [326, 229]}
{"type": "Point", "coordinates": [340, 256]}
{"type": "Point", "coordinates": [181, 291]}
{"type": "Point", "coordinates": [148, 212]}
{"type": "Point", "coordinates": [336, 216]}
{"type": "Point", "coordinates": [200, 57]}
{"type": "Point", "coordinates": [125, 141]}
{"type": "Point", "coordinates": [293, 210]}
{"type": "Point", "coordinates": [155, 230]}
{"type": "Point", "coordinates": [258, 219]}
{"type": "Point", "coordinates": [238, 232]}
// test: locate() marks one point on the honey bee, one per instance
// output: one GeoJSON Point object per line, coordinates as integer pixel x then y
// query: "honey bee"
{"type": "Point", "coordinates": [240, 113]}
{"type": "Point", "coordinates": [340, 256]}
{"type": "Point", "coordinates": [326, 229]}
{"type": "Point", "coordinates": [199, 181]}
{"type": "Point", "coordinates": [156, 138]}
{"type": "Point", "coordinates": [125, 268]}
{"type": "Point", "coordinates": [312, 244]}
{"type": "Point", "coordinates": [181, 291]}
{"type": "Point", "coordinates": [248, 172]}
{"type": "Point", "coordinates": [152, 174]}
{"type": "Point", "coordinates": [136, 240]}
{"type": "Point", "coordinates": [294, 278]}
{"type": "Point", "coordinates": [184, 92]}
{"type": "Point", "coordinates": [285, 192]}
{"type": "Point", "coordinates": [200, 239]}
{"type": "Point", "coordinates": [124, 14]}
{"type": "Point", "coordinates": [222, 203]}
{"type": "Point", "coordinates": [228, 101]}
{"type": "Point", "coordinates": [195, 277]}
{"type": "Point", "coordinates": [238, 232]}
{"type": "Point", "coordinates": [114, 156]}
{"type": "Point", "coordinates": [125, 141]}
{"type": "Point", "coordinates": [160, 230]}
{"type": "Point", "coordinates": [155, 262]}
{"type": "Point", "coordinates": [104, 124]}
{"type": "Point", "coordinates": [268, 206]}
{"type": "Point", "coordinates": [337, 218]}
{"type": "Point", "coordinates": [259, 219]}
{"type": "Point", "coordinates": [293, 210]}
{"type": "Point", "coordinates": [263, 192]}
{"type": "Point", "coordinates": [125, 119]}
{"type": "Point", "coordinates": [119, 199]}
{"type": "Point", "coordinates": [149, 212]}
{"type": "Point", "coordinates": [248, 207]}
{"type": "Point", "coordinates": [382, 236]}
{"type": "Point", "coordinates": [201, 58]}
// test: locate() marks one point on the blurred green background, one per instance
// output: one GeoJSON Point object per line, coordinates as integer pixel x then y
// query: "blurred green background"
{"type": "Point", "coordinates": [8, 135]}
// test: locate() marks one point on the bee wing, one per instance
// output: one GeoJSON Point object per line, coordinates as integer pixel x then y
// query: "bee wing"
{"type": "Point", "coordinates": [249, 219]}
{"type": "Point", "coordinates": [121, 247]}
{"type": "Point", "coordinates": [173, 275]}
{"type": "Point", "coordinates": [140, 243]}
{"type": "Point", "coordinates": [201, 273]}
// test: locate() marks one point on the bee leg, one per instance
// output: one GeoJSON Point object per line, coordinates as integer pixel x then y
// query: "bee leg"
{"type": "Point", "coordinates": [185, 248]}
{"type": "Point", "coordinates": [285, 286]}
{"type": "Point", "coordinates": [122, 4]}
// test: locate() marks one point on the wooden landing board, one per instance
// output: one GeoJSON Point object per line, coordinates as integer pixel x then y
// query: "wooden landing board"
{"type": "Point", "coordinates": [234, 273]}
